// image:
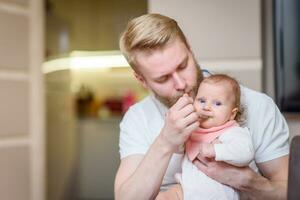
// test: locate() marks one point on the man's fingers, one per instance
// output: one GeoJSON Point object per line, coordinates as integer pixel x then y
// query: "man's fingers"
{"type": "Point", "coordinates": [201, 166]}
{"type": "Point", "coordinates": [187, 110]}
{"type": "Point", "coordinates": [203, 159]}
{"type": "Point", "coordinates": [190, 119]}
{"type": "Point", "coordinates": [190, 128]}
{"type": "Point", "coordinates": [182, 102]}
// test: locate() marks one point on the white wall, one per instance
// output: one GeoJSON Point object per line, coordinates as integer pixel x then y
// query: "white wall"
{"type": "Point", "coordinates": [22, 134]}
{"type": "Point", "coordinates": [225, 35]}
{"type": "Point", "coordinates": [217, 29]}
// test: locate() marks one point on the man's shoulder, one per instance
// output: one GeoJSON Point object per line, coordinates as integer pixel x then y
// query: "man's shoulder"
{"type": "Point", "coordinates": [252, 93]}
{"type": "Point", "coordinates": [254, 98]}
{"type": "Point", "coordinates": [144, 108]}
{"type": "Point", "coordinates": [143, 104]}
{"type": "Point", "coordinates": [259, 109]}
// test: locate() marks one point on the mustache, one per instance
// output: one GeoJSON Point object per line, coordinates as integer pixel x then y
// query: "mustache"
{"type": "Point", "coordinates": [191, 91]}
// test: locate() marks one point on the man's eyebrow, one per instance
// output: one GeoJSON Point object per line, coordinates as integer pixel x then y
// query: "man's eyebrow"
{"type": "Point", "coordinates": [183, 62]}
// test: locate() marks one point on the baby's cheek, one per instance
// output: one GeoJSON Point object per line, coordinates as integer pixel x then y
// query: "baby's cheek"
{"type": "Point", "coordinates": [197, 107]}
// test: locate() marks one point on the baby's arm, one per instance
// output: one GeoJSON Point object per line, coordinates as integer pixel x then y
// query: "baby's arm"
{"type": "Point", "coordinates": [236, 147]}
{"type": "Point", "coordinates": [207, 150]}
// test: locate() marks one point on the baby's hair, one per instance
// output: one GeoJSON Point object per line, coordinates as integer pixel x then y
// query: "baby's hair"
{"type": "Point", "coordinates": [215, 78]}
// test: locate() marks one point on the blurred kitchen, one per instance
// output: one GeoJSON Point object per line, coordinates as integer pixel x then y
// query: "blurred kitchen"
{"type": "Point", "coordinates": [89, 86]}
{"type": "Point", "coordinates": [66, 86]}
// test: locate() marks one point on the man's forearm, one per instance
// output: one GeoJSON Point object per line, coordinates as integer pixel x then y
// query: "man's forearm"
{"type": "Point", "coordinates": [259, 187]}
{"type": "Point", "coordinates": [145, 182]}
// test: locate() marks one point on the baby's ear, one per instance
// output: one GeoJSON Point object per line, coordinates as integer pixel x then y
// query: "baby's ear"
{"type": "Point", "coordinates": [233, 113]}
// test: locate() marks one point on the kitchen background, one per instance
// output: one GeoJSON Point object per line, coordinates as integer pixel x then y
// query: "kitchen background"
{"type": "Point", "coordinates": [66, 86]}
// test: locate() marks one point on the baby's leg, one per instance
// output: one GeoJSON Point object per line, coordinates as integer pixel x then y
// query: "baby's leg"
{"type": "Point", "coordinates": [173, 193]}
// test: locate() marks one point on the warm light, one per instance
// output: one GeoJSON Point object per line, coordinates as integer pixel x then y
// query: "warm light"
{"type": "Point", "coordinates": [86, 60]}
{"type": "Point", "coordinates": [56, 65]}
{"type": "Point", "coordinates": [107, 61]}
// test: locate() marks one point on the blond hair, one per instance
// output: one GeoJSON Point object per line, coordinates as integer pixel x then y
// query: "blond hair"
{"type": "Point", "coordinates": [149, 31]}
{"type": "Point", "coordinates": [215, 78]}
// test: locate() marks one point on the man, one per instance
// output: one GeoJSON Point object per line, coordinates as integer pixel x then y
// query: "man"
{"type": "Point", "coordinates": [154, 130]}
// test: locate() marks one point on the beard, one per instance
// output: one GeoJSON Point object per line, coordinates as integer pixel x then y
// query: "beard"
{"type": "Point", "coordinates": [190, 90]}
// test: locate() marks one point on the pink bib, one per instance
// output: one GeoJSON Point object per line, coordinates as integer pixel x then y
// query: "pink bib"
{"type": "Point", "coordinates": [202, 135]}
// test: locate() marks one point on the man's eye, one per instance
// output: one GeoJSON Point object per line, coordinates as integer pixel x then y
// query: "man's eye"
{"type": "Point", "coordinates": [182, 67]}
{"type": "Point", "coordinates": [218, 103]}
{"type": "Point", "coordinates": [162, 79]}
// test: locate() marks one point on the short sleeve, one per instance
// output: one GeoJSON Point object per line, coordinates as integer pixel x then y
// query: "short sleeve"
{"type": "Point", "coordinates": [132, 134]}
{"type": "Point", "coordinates": [270, 132]}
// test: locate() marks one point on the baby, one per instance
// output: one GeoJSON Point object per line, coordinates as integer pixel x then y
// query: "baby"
{"type": "Point", "coordinates": [219, 137]}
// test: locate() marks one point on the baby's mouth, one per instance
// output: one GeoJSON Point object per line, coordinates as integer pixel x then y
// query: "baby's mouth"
{"type": "Point", "coordinates": [206, 117]}
{"type": "Point", "coordinates": [209, 118]}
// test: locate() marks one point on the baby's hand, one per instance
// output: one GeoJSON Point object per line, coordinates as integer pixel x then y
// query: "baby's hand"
{"type": "Point", "coordinates": [216, 141]}
{"type": "Point", "coordinates": [207, 150]}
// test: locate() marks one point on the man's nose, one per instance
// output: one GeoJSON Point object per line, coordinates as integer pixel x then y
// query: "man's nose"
{"type": "Point", "coordinates": [179, 82]}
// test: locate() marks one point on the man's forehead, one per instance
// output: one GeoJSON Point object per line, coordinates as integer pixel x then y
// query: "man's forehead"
{"type": "Point", "coordinates": [169, 49]}
{"type": "Point", "coordinates": [160, 60]}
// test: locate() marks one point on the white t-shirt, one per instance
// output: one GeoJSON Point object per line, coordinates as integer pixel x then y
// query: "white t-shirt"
{"type": "Point", "coordinates": [143, 122]}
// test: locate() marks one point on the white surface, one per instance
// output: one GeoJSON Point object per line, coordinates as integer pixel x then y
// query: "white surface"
{"type": "Point", "coordinates": [247, 72]}
{"type": "Point", "coordinates": [216, 28]}
{"type": "Point", "coordinates": [99, 158]}
{"type": "Point", "coordinates": [225, 35]}
{"type": "Point", "coordinates": [22, 139]}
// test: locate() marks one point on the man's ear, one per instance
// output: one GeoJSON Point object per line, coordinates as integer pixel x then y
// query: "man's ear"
{"type": "Point", "coordinates": [141, 80]}
{"type": "Point", "coordinates": [233, 113]}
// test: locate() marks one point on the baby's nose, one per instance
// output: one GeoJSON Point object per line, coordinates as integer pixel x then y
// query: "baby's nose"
{"type": "Point", "coordinates": [206, 106]}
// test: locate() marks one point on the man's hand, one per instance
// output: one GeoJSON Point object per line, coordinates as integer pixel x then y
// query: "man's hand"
{"type": "Point", "coordinates": [224, 173]}
{"type": "Point", "coordinates": [181, 121]}
{"type": "Point", "coordinates": [272, 185]}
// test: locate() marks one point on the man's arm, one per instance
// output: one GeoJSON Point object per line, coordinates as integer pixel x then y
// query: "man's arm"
{"type": "Point", "coordinates": [272, 185]}
{"type": "Point", "coordinates": [140, 177]}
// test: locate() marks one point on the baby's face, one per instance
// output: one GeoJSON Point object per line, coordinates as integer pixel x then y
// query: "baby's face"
{"type": "Point", "coordinates": [216, 101]}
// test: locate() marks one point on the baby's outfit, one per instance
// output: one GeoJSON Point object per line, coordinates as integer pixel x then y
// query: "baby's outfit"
{"type": "Point", "coordinates": [235, 148]}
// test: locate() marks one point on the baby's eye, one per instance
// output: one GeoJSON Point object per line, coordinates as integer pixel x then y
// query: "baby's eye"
{"type": "Point", "coordinates": [202, 101]}
{"type": "Point", "coordinates": [218, 103]}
